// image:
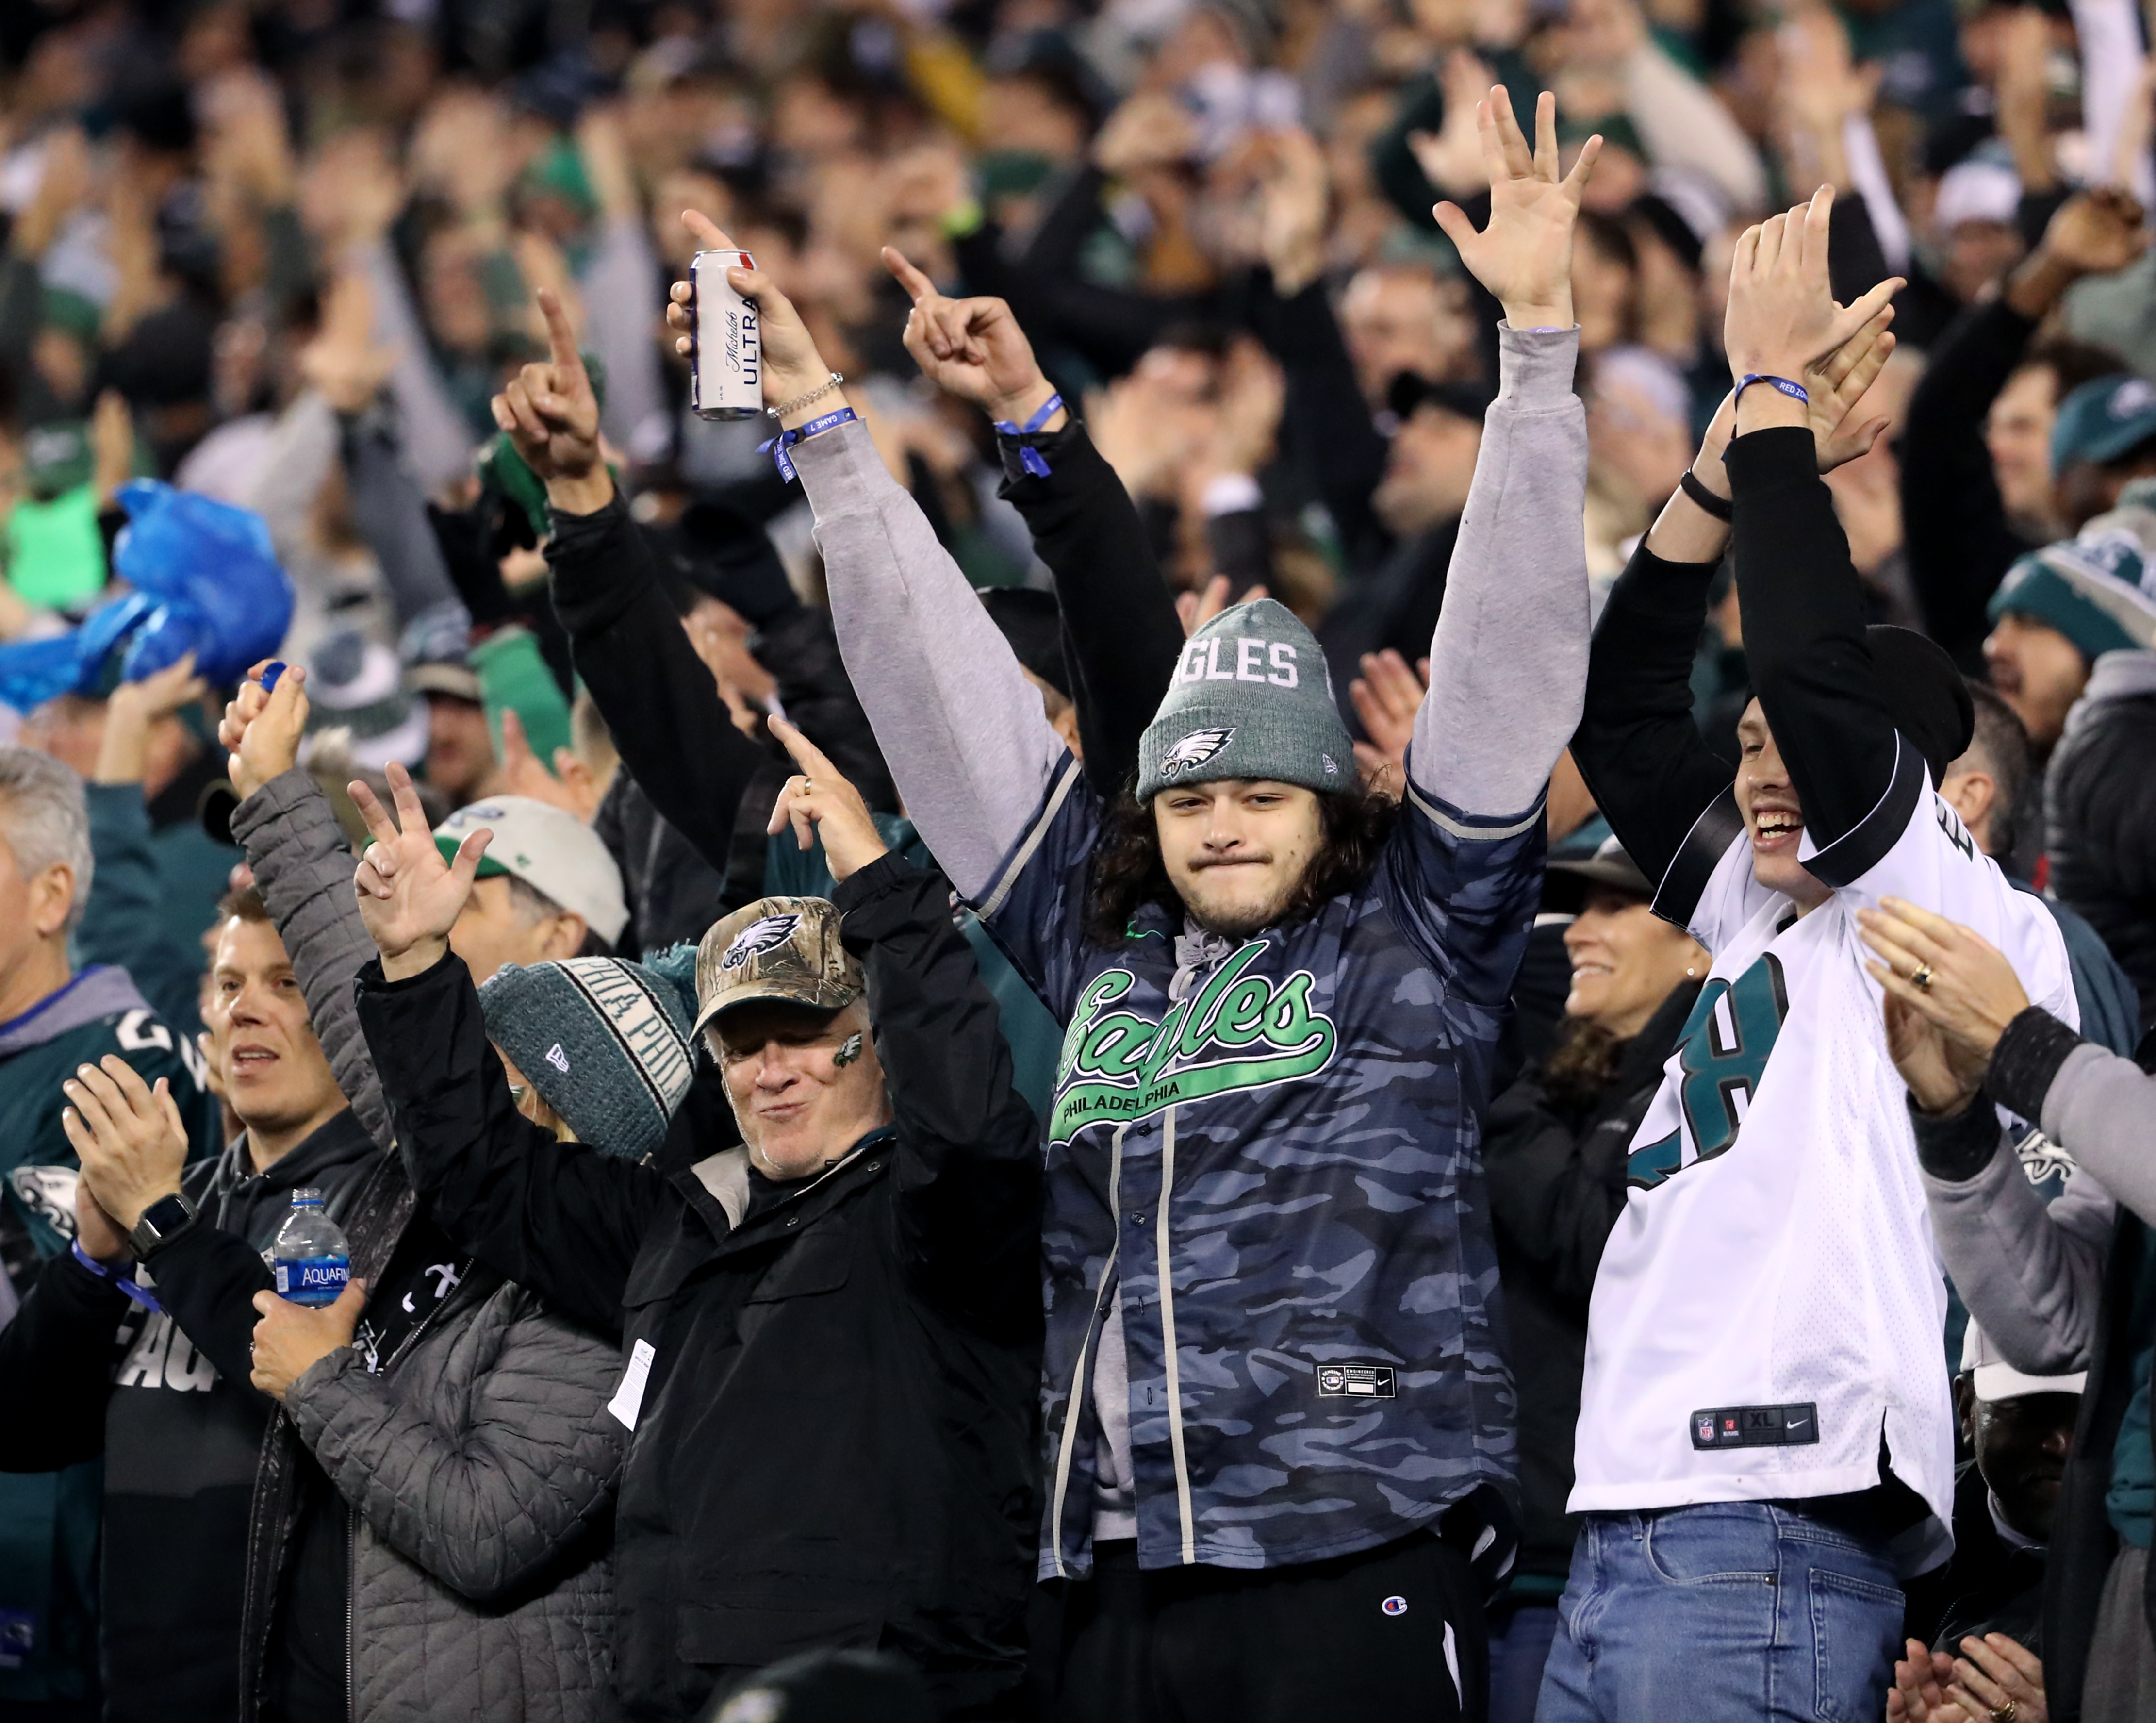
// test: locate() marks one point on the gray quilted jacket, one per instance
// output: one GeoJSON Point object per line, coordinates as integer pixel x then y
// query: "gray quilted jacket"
{"type": "Point", "coordinates": [480, 1468]}
{"type": "Point", "coordinates": [480, 1464]}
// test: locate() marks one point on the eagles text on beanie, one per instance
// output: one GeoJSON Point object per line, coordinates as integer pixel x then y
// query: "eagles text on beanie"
{"type": "Point", "coordinates": [1251, 698]}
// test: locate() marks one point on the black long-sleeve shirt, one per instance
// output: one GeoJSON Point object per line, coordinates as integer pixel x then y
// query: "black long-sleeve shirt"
{"type": "Point", "coordinates": [1666, 795]}
{"type": "Point", "coordinates": [1121, 638]}
{"type": "Point", "coordinates": [1954, 520]}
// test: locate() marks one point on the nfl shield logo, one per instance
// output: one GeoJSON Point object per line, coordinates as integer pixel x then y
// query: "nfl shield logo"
{"type": "Point", "coordinates": [1706, 1429]}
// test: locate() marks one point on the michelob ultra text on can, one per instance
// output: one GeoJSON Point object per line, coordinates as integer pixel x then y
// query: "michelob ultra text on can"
{"type": "Point", "coordinates": [725, 375]}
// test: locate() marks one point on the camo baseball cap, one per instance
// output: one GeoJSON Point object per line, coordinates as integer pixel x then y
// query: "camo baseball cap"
{"type": "Point", "coordinates": [784, 948]}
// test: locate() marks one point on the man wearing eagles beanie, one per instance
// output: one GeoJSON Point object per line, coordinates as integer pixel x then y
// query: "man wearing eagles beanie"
{"type": "Point", "coordinates": [831, 1334]}
{"type": "Point", "coordinates": [1278, 1434]}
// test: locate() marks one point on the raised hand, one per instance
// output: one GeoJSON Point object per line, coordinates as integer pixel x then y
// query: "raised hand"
{"type": "Point", "coordinates": [1291, 218]}
{"type": "Point", "coordinates": [1783, 320]}
{"type": "Point", "coordinates": [792, 365]}
{"type": "Point", "coordinates": [261, 728]}
{"type": "Point", "coordinates": [570, 786]}
{"type": "Point", "coordinates": [409, 898]}
{"type": "Point", "coordinates": [821, 799]}
{"type": "Point", "coordinates": [343, 361]}
{"type": "Point", "coordinates": [1387, 696]}
{"type": "Point", "coordinates": [129, 1137]}
{"type": "Point", "coordinates": [1524, 256]}
{"type": "Point", "coordinates": [135, 710]}
{"type": "Point", "coordinates": [552, 417]}
{"type": "Point", "coordinates": [1194, 609]}
{"type": "Point", "coordinates": [972, 349]}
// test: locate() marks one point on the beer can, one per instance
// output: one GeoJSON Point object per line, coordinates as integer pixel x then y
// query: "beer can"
{"type": "Point", "coordinates": [726, 359]}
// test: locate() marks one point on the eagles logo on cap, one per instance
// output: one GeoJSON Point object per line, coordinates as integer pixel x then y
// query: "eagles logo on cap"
{"type": "Point", "coordinates": [759, 936]}
{"type": "Point", "coordinates": [1194, 749]}
{"type": "Point", "coordinates": [782, 949]}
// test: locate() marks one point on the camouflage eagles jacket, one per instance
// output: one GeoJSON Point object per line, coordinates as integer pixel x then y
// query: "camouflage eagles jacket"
{"type": "Point", "coordinates": [1268, 1153]}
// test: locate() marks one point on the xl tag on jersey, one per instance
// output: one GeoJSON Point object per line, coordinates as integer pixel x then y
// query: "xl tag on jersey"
{"type": "Point", "coordinates": [1756, 1426]}
{"type": "Point", "coordinates": [1354, 1381]}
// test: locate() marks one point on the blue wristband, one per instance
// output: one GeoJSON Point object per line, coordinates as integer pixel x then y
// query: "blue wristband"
{"type": "Point", "coordinates": [130, 1288]}
{"type": "Point", "coordinates": [800, 434]}
{"type": "Point", "coordinates": [1795, 391]}
{"type": "Point", "coordinates": [1030, 458]}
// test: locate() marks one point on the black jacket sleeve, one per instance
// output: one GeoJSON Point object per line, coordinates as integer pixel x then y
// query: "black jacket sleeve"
{"type": "Point", "coordinates": [659, 700]}
{"type": "Point", "coordinates": [1121, 638]}
{"type": "Point", "coordinates": [206, 1280]}
{"type": "Point", "coordinates": [1954, 521]}
{"type": "Point", "coordinates": [1326, 425]}
{"type": "Point", "coordinates": [56, 1369]}
{"type": "Point", "coordinates": [1811, 666]}
{"type": "Point", "coordinates": [560, 1218]}
{"type": "Point", "coordinates": [1664, 793]}
{"type": "Point", "coordinates": [1550, 1201]}
{"type": "Point", "coordinates": [968, 1159]}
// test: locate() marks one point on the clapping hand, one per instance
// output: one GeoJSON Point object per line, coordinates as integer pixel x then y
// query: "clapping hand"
{"type": "Point", "coordinates": [1783, 321]}
{"type": "Point", "coordinates": [409, 898]}
{"type": "Point", "coordinates": [1524, 256]}
{"type": "Point", "coordinates": [1387, 696]}
{"type": "Point", "coordinates": [128, 1136]}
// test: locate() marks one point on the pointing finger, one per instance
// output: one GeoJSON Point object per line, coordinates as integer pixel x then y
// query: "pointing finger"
{"type": "Point", "coordinates": [917, 286]}
{"type": "Point", "coordinates": [710, 236]}
{"type": "Point", "coordinates": [379, 825]}
{"type": "Point", "coordinates": [568, 363]}
{"type": "Point", "coordinates": [807, 755]}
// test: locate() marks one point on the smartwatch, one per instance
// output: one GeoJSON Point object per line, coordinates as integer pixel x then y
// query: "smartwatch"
{"type": "Point", "coordinates": [163, 1220]}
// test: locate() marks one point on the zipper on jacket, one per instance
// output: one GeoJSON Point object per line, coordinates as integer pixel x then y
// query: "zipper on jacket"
{"type": "Point", "coordinates": [1072, 1403]}
{"type": "Point", "coordinates": [1161, 1268]}
{"type": "Point", "coordinates": [351, 1609]}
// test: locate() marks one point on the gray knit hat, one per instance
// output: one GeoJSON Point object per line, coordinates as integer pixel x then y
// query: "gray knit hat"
{"type": "Point", "coordinates": [1251, 698]}
{"type": "Point", "coordinates": [606, 1042]}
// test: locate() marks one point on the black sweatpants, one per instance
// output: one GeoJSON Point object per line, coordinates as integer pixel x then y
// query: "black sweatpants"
{"type": "Point", "coordinates": [1395, 1634]}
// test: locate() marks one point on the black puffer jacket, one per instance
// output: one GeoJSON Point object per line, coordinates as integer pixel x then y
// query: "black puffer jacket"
{"type": "Point", "coordinates": [1555, 1164]}
{"type": "Point", "coordinates": [832, 1387]}
{"type": "Point", "coordinates": [2100, 815]}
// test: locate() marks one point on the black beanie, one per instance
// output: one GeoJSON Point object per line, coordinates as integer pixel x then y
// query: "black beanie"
{"type": "Point", "coordinates": [1923, 693]}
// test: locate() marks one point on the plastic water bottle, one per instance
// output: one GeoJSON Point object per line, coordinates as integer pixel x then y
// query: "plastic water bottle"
{"type": "Point", "coordinates": [310, 1258]}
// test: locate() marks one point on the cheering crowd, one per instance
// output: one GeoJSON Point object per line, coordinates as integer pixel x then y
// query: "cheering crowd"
{"type": "Point", "coordinates": [1359, 922]}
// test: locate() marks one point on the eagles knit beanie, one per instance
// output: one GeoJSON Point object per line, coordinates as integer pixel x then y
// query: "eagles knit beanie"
{"type": "Point", "coordinates": [606, 1043]}
{"type": "Point", "coordinates": [2098, 591]}
{"type": "Point", "coordinates": [1251, 698]}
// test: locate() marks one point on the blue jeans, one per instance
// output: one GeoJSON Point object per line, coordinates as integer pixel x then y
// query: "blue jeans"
{"type": "Point", "coordinates": [1723, 1612]}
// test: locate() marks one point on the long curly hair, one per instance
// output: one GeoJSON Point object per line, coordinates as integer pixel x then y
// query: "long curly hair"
{"type": "Point", "coordinates": [1129, 871]}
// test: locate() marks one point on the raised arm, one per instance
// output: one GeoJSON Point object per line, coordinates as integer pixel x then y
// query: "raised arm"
{"type": "Point", "coordinates": [302, 866]}
{"type": "Point", "coordinates": [968, 743]}
{"type": "Point", "coordinates": [968, 1165]}
{"type": "Point", "coordinates": [1121, 638]}
{"type": "Point", "coordinates": [563, 1219]}
{"type": "Point", "coordinates": [1509, 659]}
{"type": "Point", "coordinates": [1803, 609]}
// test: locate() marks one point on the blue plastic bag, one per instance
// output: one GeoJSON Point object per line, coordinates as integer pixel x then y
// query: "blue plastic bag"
{"type": "Point", "coordinates": [206, 581]}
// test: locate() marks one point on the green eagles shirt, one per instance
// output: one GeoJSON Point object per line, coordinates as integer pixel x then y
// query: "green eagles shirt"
{"type": "Point", "coordinates": [48, 1520]}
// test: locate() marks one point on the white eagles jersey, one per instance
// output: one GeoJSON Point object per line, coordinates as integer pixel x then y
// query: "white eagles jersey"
{"type": "Point", "coordinates": [1771, 1300]}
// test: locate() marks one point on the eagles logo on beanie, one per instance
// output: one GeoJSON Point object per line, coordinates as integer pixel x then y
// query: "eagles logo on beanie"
{"type": "Point", "coordinates": [1251, 698]}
